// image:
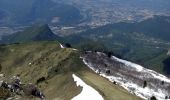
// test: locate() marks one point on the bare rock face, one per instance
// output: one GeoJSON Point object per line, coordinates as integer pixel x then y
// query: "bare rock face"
{"type": "Point", "coordinates": [15, 89]}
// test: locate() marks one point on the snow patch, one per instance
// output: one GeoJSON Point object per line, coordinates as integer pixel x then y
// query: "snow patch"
{"type": "Point", "coordinates": [29, 63]}
{"type": "Point", "coordinates": [62, 46]}
{"type": "Point", "coordinates": [87, 93]}
{"type": "Point", "coordinates": [139, 68]}
{"type": "Point", "coordinates": [168, 53]}
{"type": "Point", "coordinates": [75, 49]}
{"type": "Point", "coordinates": [1, 75]}
{"type": "Point", "coordinates": [128, 63]}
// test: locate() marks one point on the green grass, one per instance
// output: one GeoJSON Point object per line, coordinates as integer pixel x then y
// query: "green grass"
{"type": "Point", "coordinates": [106, 88]}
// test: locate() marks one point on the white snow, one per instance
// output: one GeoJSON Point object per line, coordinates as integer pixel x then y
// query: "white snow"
{"type": "Point", "coordinates": [66, 28]}
{"type": "Point", "coordinates": [157, 75]}
{"type": "Point", "coordinates": [132, 87]}
{"type": "Point", "coordinates": [1, 75]}
{"type": "Point", "coordinates": [62, 46]}
{"type": "Point", "coordinates": [87, 93]}
{"type": "Point", "coordinates": [1, 83]}
{"type": "Point", "coordinates": [29, 63]}
{"type": "Point", "coordinates": [144, 93]}
{"type": "Point", "coordinates": [75, 49]}
{"type": "Point", "coordinates": [128, 63]}
{"type": "Point", "coordinates": [168, 53]}
{"type": "Point", "coordinates": [139, 68]}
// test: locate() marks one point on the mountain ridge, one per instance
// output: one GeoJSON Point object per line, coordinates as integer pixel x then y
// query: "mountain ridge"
{"type": "Point", "coordinates": [34, 60]}
{"type": "Point", "coordinates": [33, 33]}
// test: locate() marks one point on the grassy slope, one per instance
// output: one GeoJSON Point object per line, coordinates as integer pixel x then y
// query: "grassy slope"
{"type": "Point", "coordinates": [57, 65]}
{"type": "Point", "coordinates": [107, 89]}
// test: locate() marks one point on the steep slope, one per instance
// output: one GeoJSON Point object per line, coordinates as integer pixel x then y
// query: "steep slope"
{"type": "Point", "coordinates": [34, 33]}
{"type": "Point", "coordinates": [32, 61]}
{"type": "Point", "coordinates": [133, 77]}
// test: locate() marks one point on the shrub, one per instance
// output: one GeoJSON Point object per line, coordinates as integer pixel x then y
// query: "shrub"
{"type": "Point", "coordinates": [107, 71]}
{"type": "Point", "coordinates": [153, 98]}
{"type": "Point", "coordinates": [40, 80]}
{"type": "Point", "coordinates": [105, 65]}
{"type": "Point", "coordinates": [68, 45]}
{"type": "Point", "coordinates": [144, 84]}
{"type": "Point", "coordinates": [162, 82]}
{"type": "Point", "coordinates": [115, 83]}
{"type": "Point", "coordinates": [109, 54]}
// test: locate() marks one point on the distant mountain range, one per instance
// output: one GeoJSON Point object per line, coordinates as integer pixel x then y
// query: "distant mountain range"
{"type": "Point", "coordinates": [34, 33]}
{"type": "Point", "coordinates": [26, 12]}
